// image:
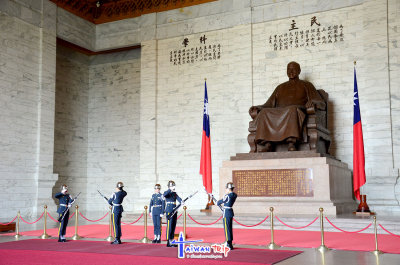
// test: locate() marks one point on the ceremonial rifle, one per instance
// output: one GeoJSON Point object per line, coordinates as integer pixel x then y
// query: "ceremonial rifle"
{"type": "Point", "coordinates": [214, 200]}
{"type": "Point", "coordinates": [105, 198]}
{"type": "Point", "coordinates": [175, 210]}
{"type": "Point", "coordinates": [61, 218]}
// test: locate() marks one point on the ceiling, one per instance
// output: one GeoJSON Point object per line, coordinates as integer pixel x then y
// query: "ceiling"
{"type": "Point", "coordinates": [102, 11]}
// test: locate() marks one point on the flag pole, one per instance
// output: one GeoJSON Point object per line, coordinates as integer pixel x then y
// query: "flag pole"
{"type": "Point", "coordinates": [361, 188]}
{"type": "Point", "coordinates": [203, 173]}
{"type": "Point", "coordinates": [362, 208]}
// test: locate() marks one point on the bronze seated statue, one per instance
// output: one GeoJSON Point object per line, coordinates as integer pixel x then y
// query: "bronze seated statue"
{"type": "Point", "coordinates": [293, 118]}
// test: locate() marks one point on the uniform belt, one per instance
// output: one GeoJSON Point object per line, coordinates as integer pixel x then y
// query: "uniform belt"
{"type": "Point", "coordinates": [116, 204]}
{"type": "Point", "coordinates": [157, 205]}
{"type": "Point", "coordinates": [227, 207]}
{"type": "Point", "coordinates": [171, 202]}
{"type": "Point", "coordinates": [63, 205]}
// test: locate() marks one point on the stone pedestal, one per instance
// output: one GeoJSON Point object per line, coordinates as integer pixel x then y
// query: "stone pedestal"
{"type": "Point", "coordinates": [331, 183]}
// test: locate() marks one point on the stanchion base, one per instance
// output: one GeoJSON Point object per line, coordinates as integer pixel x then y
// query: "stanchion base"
{"type": "Point", "coordinates": [76, 237]}
{"type": "Point", "coordinates": [145, 240]}
{"type": "Point", "coordinates": [322, 249]}
{"type": "Point", "coordinates": [377, 252]}
{"type": "Point", "coordinates": [273, 246]}
{"type": "Point", "coordinates": [17, 236]}
{"type": "Point", "coordinates": [110, 239]}
{"type": "Point", "coordinates": [44, 236]}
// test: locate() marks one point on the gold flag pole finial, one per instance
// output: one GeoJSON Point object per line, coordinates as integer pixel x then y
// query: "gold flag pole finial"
{"type": "Point", "coordinates": [205, 79]}
{"type": "Point", "coordinates": [355, 62]}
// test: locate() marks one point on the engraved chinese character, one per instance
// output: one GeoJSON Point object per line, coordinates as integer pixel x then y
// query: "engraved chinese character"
{"type": "Point", "coordinates": [185, 42]}
{"type": "Point", "coordinates": [203, 39]}
{"type": "Point", "coordinates": [293, 25]}
{"type": "Point", "coordinates": [314, 21]}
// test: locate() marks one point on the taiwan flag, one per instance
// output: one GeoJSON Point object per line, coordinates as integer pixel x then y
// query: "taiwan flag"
{"type": "Point", "coordinates": [358, 145]}
{"type": "Point", "coordinates": [205, 161]}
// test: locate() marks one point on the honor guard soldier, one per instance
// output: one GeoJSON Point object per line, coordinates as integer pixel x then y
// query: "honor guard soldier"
{"type": "Point", "coordinates": [170, 198]}
{"type": "Point", "coordinates": [228, 201]}
{"type": "Point", "coordinates": [157, 208]}
{"type": "Point", "coordinates": [116, 202]}
{"type": "Point", "coordinates": [65, 201]}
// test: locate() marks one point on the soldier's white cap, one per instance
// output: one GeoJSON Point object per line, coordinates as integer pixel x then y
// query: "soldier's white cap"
{"type": "Point", "coordinates": [230, 185]}
{"type": "Point", "coordinates": [171, 183]}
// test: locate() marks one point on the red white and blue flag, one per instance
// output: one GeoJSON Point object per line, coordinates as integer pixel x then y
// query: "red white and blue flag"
{"type": "Point", "coordinates": [358, 145]}
{"type": "Point", "coordinates": [205, 161]}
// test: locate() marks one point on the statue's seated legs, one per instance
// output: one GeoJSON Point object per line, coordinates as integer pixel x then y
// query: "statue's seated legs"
{"type": "Point", "coordinates": [264, 146]}
{"type": "Point", "coordinates": [267, 146]}
{"type": "Point", "coordinates": [292, 143]}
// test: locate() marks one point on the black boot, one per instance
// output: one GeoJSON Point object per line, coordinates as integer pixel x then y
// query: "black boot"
{"type": "Point", "coordinates": [230, 245]}
{"type": "Point", "coordinates": [116, 242]}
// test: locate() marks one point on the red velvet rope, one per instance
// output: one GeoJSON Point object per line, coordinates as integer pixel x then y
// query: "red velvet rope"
{"type": "Point", "coordinates": [133, 221]}
{"type": "Point", "coordinates": [93, 221]}
{"type": "Point", "coordinates": [179, 216]}
{"type": "Point", "coordinates": [301, 227]}
{"type": "Point", "coordinates": [387, 231]}
{"type": "Point", "coordinates": [52, 217]}
{"type": "Point", "coordinates": [71, 216]}
{"type": "Point", "coordinates": [9, 222]}
{"type": "Point", "coordinates": [204, 224]}
{"type": "Point", "coordinates": [358, 231]}
{"type": "Point", "coordinates": [251, 225]}
{"type": "Point", "coordinates": [34, 221]}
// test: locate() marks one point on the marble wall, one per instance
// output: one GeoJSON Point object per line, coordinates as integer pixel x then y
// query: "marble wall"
{"type": "Point", "coordinates": [113, 125]}
{"type": "Point", "coordinates": [71, 122]}
{"type": "Point", "coordinates": [27, 84]}
{"type": "Point", "coordinates": [97, 124]}
{"type": "Point", "coordinates": [329, 66]}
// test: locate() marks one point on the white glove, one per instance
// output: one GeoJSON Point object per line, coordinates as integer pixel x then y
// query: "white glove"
{"type": "Point", "coordinates": [69, 205]}
{"type": "Point", "coordinates": [161, 215]}
{"type": "Point", "coordinates": [150, 215]}
{"type": "Point", "coordinates": [64, 191]}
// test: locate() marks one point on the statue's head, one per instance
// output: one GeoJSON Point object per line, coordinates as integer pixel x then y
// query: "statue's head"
{"type": "Point", "coordinates": [293, 70]}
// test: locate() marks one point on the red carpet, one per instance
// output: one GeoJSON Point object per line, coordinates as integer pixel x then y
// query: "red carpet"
{"type": "Point", "coordinates": [287, 238]}
{"type": "Point", "coordinates": [37, 251]}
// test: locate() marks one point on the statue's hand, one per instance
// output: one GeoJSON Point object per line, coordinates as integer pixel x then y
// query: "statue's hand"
{"type": "Point", "coordinates": [310, 105]}
{"type": "Point", "coordinates": [253, 109]}
{"type": "Point", "coordinates": [310, 108]}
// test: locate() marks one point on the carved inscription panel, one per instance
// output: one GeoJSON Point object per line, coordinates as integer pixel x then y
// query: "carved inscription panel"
{"type": "Point", "coordinates": [274, 183]}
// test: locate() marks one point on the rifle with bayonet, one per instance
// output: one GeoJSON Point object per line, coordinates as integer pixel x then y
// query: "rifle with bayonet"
{"type": "Point", "coordinates": [175, 210]}
{"type": "Point", "coordinates": [61, 218]}
{"type": "Point", "coordinates": [101, 194]}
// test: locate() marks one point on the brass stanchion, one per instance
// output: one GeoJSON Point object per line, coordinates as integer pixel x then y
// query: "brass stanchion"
{"type": "Point", "coordinates": [272, 244]}
{"type": "Point", "coordinates": [76, 236]}
{"type": "Point", "coordinates": [17, 234]}
{"type": "Point", "coordinates": [145, 239]}
{"type": "Point", "coordinates": [322, 248]}
{"type": "Point", "coordinates": [184, 222]}
{"type": "Point", "coordinates": [45, 235]}
{"type": "Point", "coordinates": [376, 251]}
{"type": "Point", "coordinates": [110, 237]}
